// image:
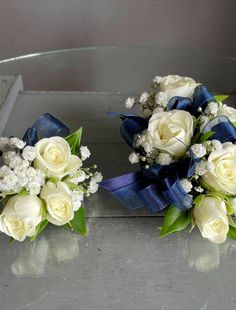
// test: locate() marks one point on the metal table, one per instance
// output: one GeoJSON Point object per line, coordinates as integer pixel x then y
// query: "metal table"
{"type": "Point", "coordinates": [122, 264]}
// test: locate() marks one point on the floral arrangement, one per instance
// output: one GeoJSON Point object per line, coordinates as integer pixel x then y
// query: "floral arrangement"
{"type": "Point", "coordinates": [42, 180]}
{"type": "Point", "coordinates": [185, 145]}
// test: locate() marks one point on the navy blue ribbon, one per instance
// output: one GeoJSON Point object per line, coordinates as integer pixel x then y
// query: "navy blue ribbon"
{"type": "Point", "coordinates": [46, 126]}
{"type": "Point", "coordinates": [155, 187]}
{"type": "Point", "coordinates": [222, 129]}
{"type": "Point", "coordinates": [201, 97]}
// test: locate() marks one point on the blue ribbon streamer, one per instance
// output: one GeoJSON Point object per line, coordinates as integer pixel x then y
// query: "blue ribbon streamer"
{"type": "Point", "coordinates": [135, 191]}
{"type": "Point", "coordinates": [154, 188]}
{"type": "Point", "coordinates": [175, 194]}
{"type": "Point", "coordinates": [46, 126]}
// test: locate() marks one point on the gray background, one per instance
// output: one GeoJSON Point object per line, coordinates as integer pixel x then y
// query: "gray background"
{"type": "Point", "coordinates": [28, 26]}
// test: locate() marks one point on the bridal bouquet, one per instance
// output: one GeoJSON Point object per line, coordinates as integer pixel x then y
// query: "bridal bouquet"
{"type": "Point", "coordinates": [42, 180]}
{"type": "Point", "coordinates": [185, 145]}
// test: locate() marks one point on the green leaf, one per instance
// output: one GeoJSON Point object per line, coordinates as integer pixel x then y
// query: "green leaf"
{"type": "Point", "coordinates": [5, 194]}
{"type": "Point", "coordinates": [12, 240]}
{"type": "Point", "coordinates": [195, 137]}
{"type": "Point", "coordinates": [43, 210]}
{"type": "Point", "coordinates": [206, 136]}
{"type": "Point", "coordinates": [54, 180]}
{"type": "Point", "coordinates": [232, 232]}
{"type": "Point", "coordinates": [78, 224]}
{"type": "Point", "coordinates": [23, 192]}
{"type": "Point", "coordinates": [221, 98]}
{"type": "Point", "coordinates": [39, 228]}
{"type": "Point", "coordinates": [73, 186]}
{"type": "Point", "coordinates": [174, 221]}
{"type": "Point", "coordinates": [234, 123]}
{"type": "Point", "coordinates": [74, 141]}
{"type": "Point", "coordinates": [232, 222]}
{"type": "Point", "coordinates": [198, 199]}
{"type": "Point", "coordinates": [229, 208]}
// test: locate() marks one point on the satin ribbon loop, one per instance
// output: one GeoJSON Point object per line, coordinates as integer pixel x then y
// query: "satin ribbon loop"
{"type": "Point", "coordinates": [223, 129]}
{"type": "Point", "coordinates": [30, 137]}
{"type": "Point", "coordinates": [201, 98]}
{"type": "Point", "coordinates": [179, 103]}
{"type": "Point", "coordinates": [46, 126]}
{"type": "Point", "coordinates": [131, 127]}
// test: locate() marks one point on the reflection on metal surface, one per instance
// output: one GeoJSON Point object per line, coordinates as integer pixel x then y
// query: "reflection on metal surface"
{"type": "Point", "coordinates": [205, 256]}
{"type": "Point", "coordinates": [92, 69]}
{"type": "Point", "coordinates": [136, 47]}
{"type": "Point", "coordinates": [19, 57]}
{"type": "Point", "coordinates": [54, 247]}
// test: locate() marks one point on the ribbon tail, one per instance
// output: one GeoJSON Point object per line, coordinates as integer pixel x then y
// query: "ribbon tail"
{"type": "Point", "coordinates": [154, 200]}
{"type": "Point", "coordinates": [126, 189]}
{"type": "Point", "coordinates": [134, 192]}
{"type": "Point", "coordinates": [175, 194]}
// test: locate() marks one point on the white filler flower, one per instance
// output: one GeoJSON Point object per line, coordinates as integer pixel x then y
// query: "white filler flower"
{"type": "Point", "coordinates": [129, 103]}
{"type": "Point", "coordinates": [84, 152]}
{"type": "Point", "coordinates": [144, 97]}
{"type": "Point", "coordinates": [134, 158]}
{"type": "Point", "coordinates": [199, 150]}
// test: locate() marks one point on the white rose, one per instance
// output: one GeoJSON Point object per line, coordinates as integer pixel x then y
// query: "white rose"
{"type": "Point", "coordinates": [53, 156]}
{"type": "Point", "coordinates": [223, 109]}
{"type": "Point", "coordinates": [170, 132]}
{"type": "Point", "coordinates": [175, 85]}
{"type": "Point", "coordinates": [20, 216]}
{"type": "Point", "coordinates": [222, 165]}
{"type": "Point", "coordinates": [57, 197]}
{"type": "Point", "coordinates": [211, 218]}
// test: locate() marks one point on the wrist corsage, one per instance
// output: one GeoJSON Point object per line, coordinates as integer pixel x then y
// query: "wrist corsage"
{"type": "Point", "coordinates": [42, 180]}
{"type": "Point", "coordinates": [185, 146]}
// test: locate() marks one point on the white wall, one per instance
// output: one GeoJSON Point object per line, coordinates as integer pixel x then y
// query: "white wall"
{"type": "Point", "coordinates": [28, 26]}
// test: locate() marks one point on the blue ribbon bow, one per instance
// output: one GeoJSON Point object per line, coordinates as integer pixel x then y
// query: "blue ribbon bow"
{"type": "Point", "coordinates": [201, 97]}
{"type": "Point", "coordinates": [46, 126]}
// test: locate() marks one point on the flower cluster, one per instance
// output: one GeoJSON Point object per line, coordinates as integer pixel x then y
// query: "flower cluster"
{"type": "Point", "coordinates": [185, 144]}
{"type": "Point", "coordinates": [44, 183]}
